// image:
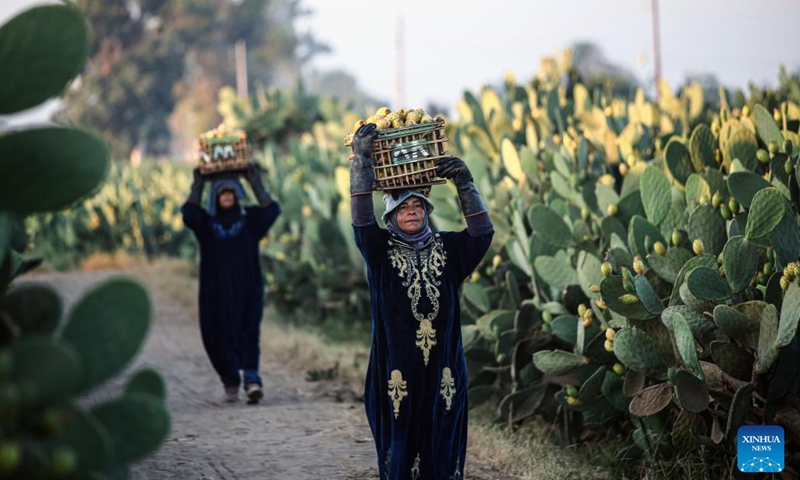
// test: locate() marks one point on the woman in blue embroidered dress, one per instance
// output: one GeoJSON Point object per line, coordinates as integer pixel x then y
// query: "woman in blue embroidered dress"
{"type": "Point", "coordinates": [416, 388]}
{"type": "Point", "coordinates": [231, 282]}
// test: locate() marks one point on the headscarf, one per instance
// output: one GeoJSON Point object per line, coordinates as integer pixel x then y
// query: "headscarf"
{"type": "Point", "coordinates": [228, 216]}
{"type": "Point", "coordinates": [416, 240]}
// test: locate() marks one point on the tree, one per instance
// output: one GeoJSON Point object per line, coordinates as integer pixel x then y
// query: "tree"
{"type": "Point", "coordinates": [147, 56]}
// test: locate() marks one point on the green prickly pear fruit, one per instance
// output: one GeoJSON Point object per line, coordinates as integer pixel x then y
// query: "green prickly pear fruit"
{"type": "Point", "coordinates": [648, 243]}
{"type": "Point", "coordinates": [10, 458]}
{"type": "Point", "coordinates": [716, 200]}
{"type": "Point", "coordinates": [785, 283]}
{"type": "Point", "coordinates": [610, 334]}
{"type": "Point", "coordinates": [547, 317]}
{"type": "Point", "coordinates": [501, 358]}
{"type": "Point", "coordinates": [762, 279]}
{"type": "Point", "coordinates": [773, 147]}
{"type": "Point", "coordinates": [676, 238]}
{"type": "Point", "coordinates": [659, 248]}
{"type": "Point", "coordinates": [608, 345]}
{"type": "Point", "coordinates": [762, 154]}
{"type": "Point", "coordinates": [767, 268]}
{"type": "Point", "coordinates": [638, 265]}
{"type": "Point", "coordinates": [788, 167]}
{"type": "Point", "coordinates": [672, 374]}
{"type": "Point", "coordinates": [697, 247]}
{"type": "Point", "coordinates": [572, 391]}
{"type": "Point", "coordinates": [546, 328]}
{"type": "Point", "coordinates": [627, 280]}
{"type": "Point", "coordinates": [733, 204]}
{"type": "Point", "coordinates": [63, 462]}
{"type": "Point", "coordinates": [606, 269]}
{"type": "Point", "coordinates": [619, 369]}
{"type": "Point", "coordinates": [612, 210]}
{"type": "Point", "coordinates": [594, 288]}
{"type": "Point", "coordinates": [585, 212]}
{"type": "Point", "coordinates": [725, 211]}
{"type": "Point", "coordinates": [628, 299]}
{"type": "Point", "coordinates": [788, 147]}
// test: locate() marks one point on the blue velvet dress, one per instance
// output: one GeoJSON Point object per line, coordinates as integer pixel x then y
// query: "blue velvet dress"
{"type": "Point", "coordinates": [231, 294]}
{"type": "Point", "coordinates": [416, 388]}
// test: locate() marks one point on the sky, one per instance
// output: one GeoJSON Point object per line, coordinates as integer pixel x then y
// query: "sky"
{"type": "Point", "coordinates": [457, 45]}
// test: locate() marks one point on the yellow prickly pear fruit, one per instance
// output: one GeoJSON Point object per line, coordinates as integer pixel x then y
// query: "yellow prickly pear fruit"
{"type": "Point", "coordinates": [610, 334]}
{"type": "Point", "coordinates": [413, 115]}
{"type": "Point", "coordinates": [475, 277]}
{"type": "Point", "coordinates": [581, 309]}
{"type": "Point", "coordinates": [608, 111]}
{"type": "Point", "coordinates": [587, 322]}
{"type": "Point", "coordinates": [612, 210]}
{"type": "Point", "coordinates": [358, 125]}
{"type": "Point", "coordinates": [697, 247]}
{"type": "Point", "coordinates": [382, 112]}
{"type": "Point", "coordinates": [383, 124]}
{"type": "Point", "coordinates": [745, 111]}
{"type": "Point", "coordinates": [397, 123]}
{"type": "Point", "coordinates": [606, 269]}
{"type": "Point", "coordinates": [773, 147]}
{"type": "Point", "coordinates": [608, 345]}
{"type": "Point", "coordinates": [426, 119]}
{"type": "Point", "coordinates": [391, 117]}
{"type": "Point", "coordinates": [594, 288]}
{"type": "Point", "coordinates": [638, 265]}
{"type": "Point", "coordinates": [619, 369]}
{"type": "Point", "coordinates": [409, 122]}
{"type": "Point", "coordinates": [784, 283]}
{"type": "Point", "coordinates": [623, 169]}
{"type": "Point", "coordinates": [776, 114]}
{"type": "Point", "coordinates": [660, 249]}
{"type": "Point", "coordinates": [573, 401]}
{"type": "Point", "coordinates": [496, 261]}
{"type": "Point", "coordinates": [601, 304]}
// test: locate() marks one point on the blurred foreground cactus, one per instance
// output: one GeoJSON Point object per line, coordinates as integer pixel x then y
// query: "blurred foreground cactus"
{"type": "Point", "coordinates": [46, 363]}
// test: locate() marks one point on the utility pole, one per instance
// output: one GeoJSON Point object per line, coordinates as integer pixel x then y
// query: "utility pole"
{"type": "Point", "coordinates": [400, 66]}
{"type": "Point", "coordinates": [656, 47]}
{"type": "Point", "coordinates": [241, 69]}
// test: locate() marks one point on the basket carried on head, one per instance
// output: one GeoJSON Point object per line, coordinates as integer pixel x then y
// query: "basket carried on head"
{"type": "Point", "coordinates": [223, 150]}
{"type": "Point", "coordinates": [406, 157]}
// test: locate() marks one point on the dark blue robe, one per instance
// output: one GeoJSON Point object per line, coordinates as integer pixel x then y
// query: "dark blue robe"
{"type": "Point", "coordinates": [416, 389]}
{"type": "Point", "coordinates": [231, 294]}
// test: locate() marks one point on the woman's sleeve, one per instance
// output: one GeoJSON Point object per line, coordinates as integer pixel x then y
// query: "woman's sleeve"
{"type": "Point", "coordinates": [372, 242]}
{"type": "Point", "coordinates": [260, 219]}
{"type": "Point", "coordinates": [466, 250]}
{"type": "Point", "coordinates": [194, 217]}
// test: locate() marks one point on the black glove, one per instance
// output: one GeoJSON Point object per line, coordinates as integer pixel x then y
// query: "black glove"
{"type": "Point", "coordinates": [253, 176]}
{"type": "Point", "coordinates": [362, 176]}
{"type": "Point", "coordinates": [468, 195]}
{"type": "Point", "coordinates": [196, 193]}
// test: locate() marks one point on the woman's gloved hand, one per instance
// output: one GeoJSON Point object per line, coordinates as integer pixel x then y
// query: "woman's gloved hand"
{"type": "Point", "coordinates": [253, 177]}
{"type": "Point", "coordinates": [362, 176]}
{"type": "Point", "coordinates": [196, 191]}
{"type": "Point", "coordinates": [455, 169]}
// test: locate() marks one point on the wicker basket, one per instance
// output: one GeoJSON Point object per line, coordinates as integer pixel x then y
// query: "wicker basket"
{"type": "Point", "coordinates": [223, 154]}
{"type": "Point", "coordinates": [406, 157]}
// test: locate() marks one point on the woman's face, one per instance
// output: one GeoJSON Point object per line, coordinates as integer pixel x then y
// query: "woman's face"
{"type": "Point", "coordinates": [227, 199]}
{"type": "Point", "coordinates": [411, 215]}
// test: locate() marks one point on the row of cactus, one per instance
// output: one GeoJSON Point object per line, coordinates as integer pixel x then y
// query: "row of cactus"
{"type": "Point", "coordinates": [643, 271]}
{"type": "Point", "coordinates": [137, 209]}
{"type": "Point", "coordinates": [48, 363]}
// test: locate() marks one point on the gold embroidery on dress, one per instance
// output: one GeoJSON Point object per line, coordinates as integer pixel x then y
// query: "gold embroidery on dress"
{"type": "Point", "coordinates": [397, 390]}
{"type": "Point", "coordinates": [457, 474]}
{"type": "Point", "coordinates": [415, 469]}
{"type": "Point", "coordinates": [448, 387]}
{"type": "Point", "coordinates": [419, 277]}
{"type": "Point", "coordinates": [426, 338]}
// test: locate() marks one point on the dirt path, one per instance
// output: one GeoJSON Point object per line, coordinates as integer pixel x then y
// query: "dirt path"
{"type": "Point", "coordinates": [296, 432]}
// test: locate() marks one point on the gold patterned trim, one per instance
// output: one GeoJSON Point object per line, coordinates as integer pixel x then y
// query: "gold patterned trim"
{"type": "Point", "coordinates": [397, 390]}
{"type": "Point", "coordinates": [457, 474]}
{"type": "Point", "coordinates": [448, 389]}
{"type": "Point", "coordinates": [426, 339]}
{"type": "Point", "coordinates": [415, 469]}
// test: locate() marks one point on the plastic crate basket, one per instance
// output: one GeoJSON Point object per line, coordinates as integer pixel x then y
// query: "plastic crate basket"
{"type": "Point", "coordinates": [223, 154]}
{"type": "Point", "coordinates": [406, 157]}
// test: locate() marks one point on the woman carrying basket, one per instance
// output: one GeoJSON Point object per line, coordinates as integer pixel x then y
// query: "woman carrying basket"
{"type": "Point", "coordinates": [416, 387]}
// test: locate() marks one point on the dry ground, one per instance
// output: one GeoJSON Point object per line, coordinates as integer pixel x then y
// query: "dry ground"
{"type": "Point", "coordinates": [302, 429]}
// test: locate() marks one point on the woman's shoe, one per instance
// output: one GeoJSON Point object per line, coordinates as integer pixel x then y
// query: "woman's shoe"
{"type": "Point", "coordinates": [254, 393]}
